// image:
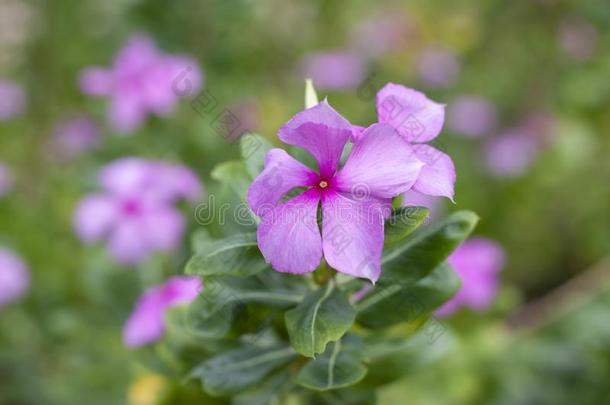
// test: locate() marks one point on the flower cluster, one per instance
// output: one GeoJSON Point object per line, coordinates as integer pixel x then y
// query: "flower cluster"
{"type": "Point", "coordinates": [140, 82]}
{"type": "Point", "coordinates": [386, 159]}
{"type": "Point", "coordinates": [136, 210]}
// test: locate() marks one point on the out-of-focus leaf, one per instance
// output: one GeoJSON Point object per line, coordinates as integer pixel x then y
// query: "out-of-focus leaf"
{"type": "Point", "coordinates": [234, 175]}
{"type": "Point", "coordinates": [253, 148]}
{"type": "Point", "coordinates": [403, 222]}
{"type": "Point", "coordinates": [236, 255]}
{"type": "Point", "coordinates": [264, 394]}
{"type": "Point", "coordinates": [390, 302]}
{"type": "Point", "coordinates": [424, 252]}
{"type": "Point", "coordinates": [340, 366]}
{"type": "Point", "coordinates": [311, 96]}
{"type": "Point", "coordinates": [236, 370]}
{"type": "Point", "coordinates": [323, 316]}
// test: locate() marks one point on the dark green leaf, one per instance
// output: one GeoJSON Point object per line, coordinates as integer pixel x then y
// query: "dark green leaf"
{"type": "Point", "coordinates": [254, 147]}
{"type": "Point", "coordinates": [390, 302]}
{"type": "Point", "coordinates": [236, 255]}
{"type": "Point", "coordinates": [424, 252]}
{"type": "Point", "coordinates": [340, 366]}
{"type": "Point", "coordinates": [403, 222]}
{"type": "Point", "coordinates": [236, 370]}
{"type": "Point", "coordinates": [265, 394]}
{"type": "Point", "coordinates": [323, 316]}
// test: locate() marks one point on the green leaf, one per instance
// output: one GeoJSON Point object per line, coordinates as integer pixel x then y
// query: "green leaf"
{"type": "Point", "coordinates": [390, 302]}
{"type": "Point", "coordinates": [234, 175]}
{"type": "Point", "coordinates": [340, 366]}
{"type": "Point", "coordinates": [236, 255]}
{"type": "Point", "coordinates": [311, 97]}
{"type": "Point", "coordinates": [265, 394]}
{"type": "Point", "coordinates": [235, 370]}
{"type": "Point", "coordinates": [207, 320]}
{"type": "Point", "coordinates": [323, 316]}
{"type": "Point", "coordinates": [403, 222]}
{"type": "Point", "coordinates": [424, 252]}
{"type": "Point", "coordinates": [253, 148]}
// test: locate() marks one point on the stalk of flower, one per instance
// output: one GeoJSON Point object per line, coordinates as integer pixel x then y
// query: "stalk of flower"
{"type": "Point", "coordinates": [135, 213]}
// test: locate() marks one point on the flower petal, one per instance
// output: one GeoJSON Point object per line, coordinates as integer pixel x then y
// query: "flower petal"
{"type": "Point", "coordinates": [125, 176]}
{"type": "Point", "coordinates": [163, 228]}
{"type": "Point", "coordinates": [128, 244]}
{"type": "Point", "coordinates": [320, 130]}
{"type": "Point", "coordinates": [289, 237]}
{"type": "Point", "coordinates": [352, 234]}
{"type": "Point", "coordinates": [96, 81]}
{"type": "Point", "coordinates": [126, 112]}
{"type": "Point", "coordinates": [381, 165]}
{"type": "Point", "coordinates": [94, 217]}
{"type": "Point", "coordinates": [437, 177]}
{"type": "Point", "coordinates": [282, 173]}
{"type": "Point", "coordinates": [415, 116]}
{"type": "Point", "coordinates": [146, 323]}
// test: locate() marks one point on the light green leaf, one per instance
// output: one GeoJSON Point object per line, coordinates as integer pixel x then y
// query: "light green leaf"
{"type": "Point", "coordinates": [390, 302]}
{"type": "Point", "coordinates": [234, 175]}
{"type": "Point", "coordinates": [323, 316]}
{"type": "Point", "coordinates": [403, 222]}
{"type": "Point", "coordinates": [253, 148]}
{"type": "Point", "coordinates": [340, 366]}
{"type": "Point", "coordinates": [416, 258]}
{"type": "Point", "coordinates": [236, 255]}
{"type": "Point", "coordinates": [235, 370]}
{"type": "Point", "coordinates": [311, 97]}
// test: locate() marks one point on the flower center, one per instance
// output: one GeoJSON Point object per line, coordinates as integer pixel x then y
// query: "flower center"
{"type": "Point", "coordinates": [323, 184]}
{"type": "Point", "coordinates": [131, 207]}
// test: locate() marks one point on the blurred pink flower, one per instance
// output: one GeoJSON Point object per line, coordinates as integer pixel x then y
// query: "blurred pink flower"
{"type": "Point", "coordinates": [75, 136]}
{"type": "Point", "coordinates": [478, 262]}
{"type": "Point", "coordinates": [578, 38]}
{"type": "Point", "coordinates": [12, 100]}
{"type": "Point", "coordinates": [6, 180]}
{"type": "Point", "coordinates": [142, 80]}
{"type": "Point", "coordinates": [135, 212]}
{"type": "Point", "coordinates": [334, 70]}
{"type": "Point", "coordinates": [146, 324]}
{"type": "Point", "coordinates": [438, 66]}
{"type": "Point", "coordinates": [381, 34]}
{"type": "Point", "coordinates": [14, 277]}
{"type": "Point", "coordinates": [471, 116]}
{"type": "Point", "coordinates": [510, 153]}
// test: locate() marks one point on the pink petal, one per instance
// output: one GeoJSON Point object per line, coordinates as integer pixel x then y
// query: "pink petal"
{"type": "Point", "coordinates": [126, 113]}
{"type": "Point", "coordinates": [352, 234]}
{"type": "Point", "coordinates": [320, 130]}
{"type": "Point", "coordinates": [125, 176]}
{"type": "Point", "coordinates": [415, 116]}
{"type": "Point", "coordinates": [289, 237]}
{"type": "Point", "coordinates": [381, 165]}
{"type": "Point", "coordinates": [437, 177]}
{"type": "Point", "coordinates": [96, 81]}
{"type": "Point", "coordinates": [282, 173]}
{"type": "Point", "coordinates": [14, 277]}
{"type": "Point", "coordinates": [95, 216]}
{"type": "Point", "coordinates": [128, 243]}
{"type": "Point", "coordinates": [163, 228]}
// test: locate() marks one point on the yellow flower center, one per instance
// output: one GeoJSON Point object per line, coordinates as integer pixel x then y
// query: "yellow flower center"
{"type": "Point", "coordinates": [323, 184]}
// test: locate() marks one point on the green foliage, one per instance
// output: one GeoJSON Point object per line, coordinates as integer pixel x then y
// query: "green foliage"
{"type": "Point", "coordinates": [253, 148]}
{"type": "Point", "coordinates": [324, 316]}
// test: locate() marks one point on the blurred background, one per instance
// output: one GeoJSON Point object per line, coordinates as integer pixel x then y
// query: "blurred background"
{"type": "Point", "coordinates": [527, 89]}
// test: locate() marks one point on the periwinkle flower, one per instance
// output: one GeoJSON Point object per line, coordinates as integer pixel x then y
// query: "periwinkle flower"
{"type": "Point", "coordinates": [142, 80]}
{"type": "Point", "coordinates": [478, 262]}
{"type": "Point", "coordinates": [578, 39]}
{"type": "Point", "coordinates": [75, 136]}
{"type": "Point", "coordinates": [418, 120]}
{"type": "Point", "coordinates": [510, 153]}
{"type": "Point", "coordinates": [438, 66]}
{"type": "Point", "coordinates": [334, 70]}
{"type": "Point", "coordinates": [354, 199]}
{"type": "Point", "coordinates": [146, 324]}
{"type": "Point", "coordinates": [383, 33]}
{"type": "Point", "coordinates": [135, 213]}
{"type": "Point", "coordinates": [12, 100]}
{"type": "Point", "coordinates": [471, 116]}
{"type": "Point", "coordinates": [14, 277]}
{"type": "Point", "coordinates": [6, 180]}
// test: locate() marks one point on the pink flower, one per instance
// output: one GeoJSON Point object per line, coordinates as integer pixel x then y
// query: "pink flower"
{"type": "Point", "coordinates": [142, 81]}
{"type": "Point", "coordinates": [383, 33]}
{"type": "Point", "coordinates": [75, 136]}
{"type": "Point", "coordinates": [334, 70]}
{"type": "Point", "coordinates": [146, 323]}
{"type": "Point", "coordinates": [12, 100]}
{"type": "Point", "coordinates": [439, 67]}
{"type": "Point", "coordinates": [578, 39]}
{"type": "Point", "coordinates": [355, 199]}
{"type": "Point", "coordinates": [471, 116]}
{"type": "Point", "coordinates": [417, 119]}
{"type": "Point", "coordinates": [135, 212]}
{"type": "Point", "coordinates": [510, 153]}
{"type": "Point", "coordinates": [14, 277]}
{"type": "Point", "coordinates": [6, 180]}
{"type": "Point", "coordinates": [478, 262]}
